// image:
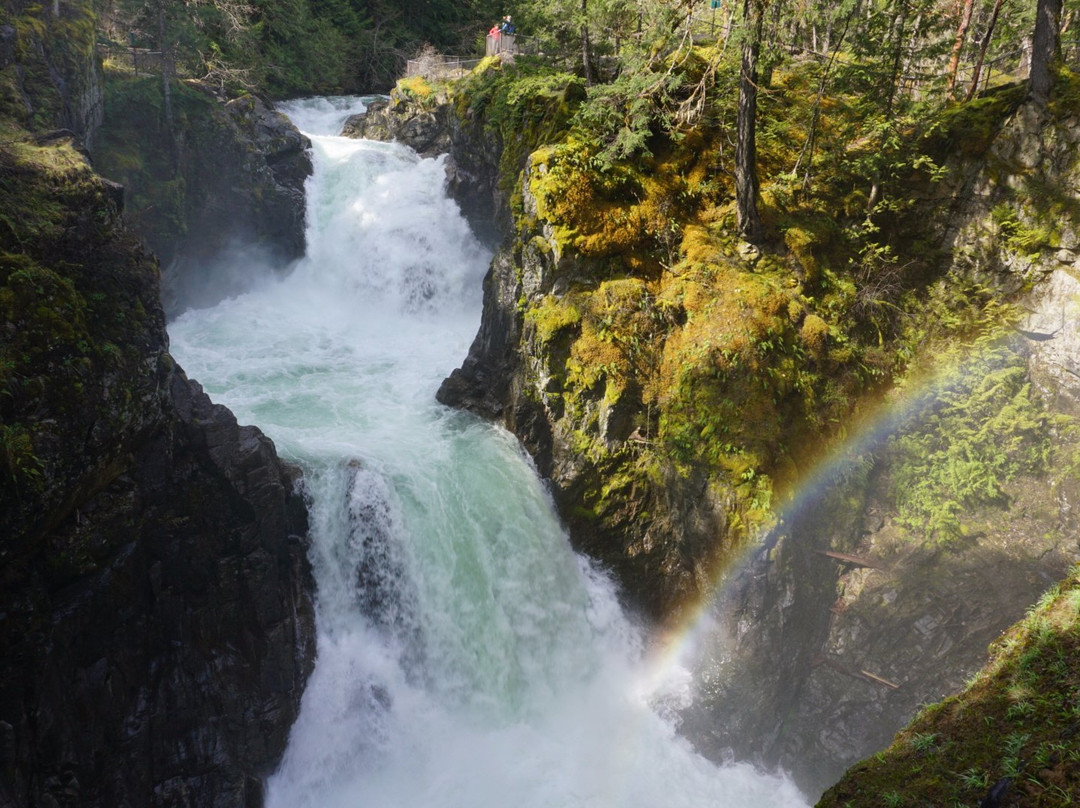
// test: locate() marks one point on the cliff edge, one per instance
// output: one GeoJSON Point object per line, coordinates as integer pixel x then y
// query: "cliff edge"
{"type": "Point", "coordinates": [156, 606]}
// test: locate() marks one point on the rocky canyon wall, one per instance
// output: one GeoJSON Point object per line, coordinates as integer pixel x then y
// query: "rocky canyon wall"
{"type": "Point", "coordinates": [222, 187]}
{"type": "Point", "coordinates": [828, 632]}
{"type": "Point", "coordinates": [155, 597]}
{"type": "Point", "coordinates": [816, 660]}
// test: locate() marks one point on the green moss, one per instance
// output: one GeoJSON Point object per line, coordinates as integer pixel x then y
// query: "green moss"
{"type": "Point", "coordinates": [1016, 719]}
{"type": "Point", "coordinates": [732, 365]}
{"type": "Point", "coordinates": [551, 316]}
{"type": "Point", "coordinates": [524, 106]}
{"type": "Point", "coordinates": [54, 58]}
{"type": "Point", "coordinates": [969, 128]}
{"type": "Point", "coordinates": [418, 89]}
{"type": "Point", "coordinates": [79, 310]}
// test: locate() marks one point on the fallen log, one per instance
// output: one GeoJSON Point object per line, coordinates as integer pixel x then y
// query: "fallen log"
{"type": "Point", "coordinates": [851, 559]}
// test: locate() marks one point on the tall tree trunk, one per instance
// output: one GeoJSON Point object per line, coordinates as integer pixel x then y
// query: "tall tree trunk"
{"type": "Point", "coordinates": [958, 45]}
{"type": "Point", "coordinates": [983, 45]}
{"type": "Point", "coordinates": [896, 40]}
{"type": "Point", "coordinates": [766, 65]}
{"type": "Point", "coordinates": [807, 152]}
{"type": "Point", "coordinates": [746, 180]}
{"type": "Point", "coordinates": [908, 67]}
{"type": "Point", "coordinates": [166, 79]}
{"type": "Point", "coordinates": [1044, 51]}
{"type": "Point", "coordinates": [586, 50]}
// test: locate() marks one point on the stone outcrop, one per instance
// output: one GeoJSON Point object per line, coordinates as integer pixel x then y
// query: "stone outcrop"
{"type": "Point", "coordinates": [1007, 739]}
{"type": "Point", "coordinates": [511, 376]}
{"type": "Point", "coordinates": [226, 184]}
{"type": "Point", "coordinates": [425, 131]}
{"type": "Point", "coordinates": [816, 660]}
{"type": "Point", "coordinates": [52, 74]}
{"type": "Point", "coordinates": [155, 597]}
{"type": "Point", "coordinates": [839, 625]}
{"type": "Point", "coordinates": [822, 659]}
{"type": "Point", "coordinates": [156, 613]}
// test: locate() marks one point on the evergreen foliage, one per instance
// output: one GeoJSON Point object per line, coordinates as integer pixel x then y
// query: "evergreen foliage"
{"type": "Point", "coordinates": [291, 47]}
{"type": "Point", "coordinates": [745, 366]}
{"type": "Point", "coordinates": [977, 434]}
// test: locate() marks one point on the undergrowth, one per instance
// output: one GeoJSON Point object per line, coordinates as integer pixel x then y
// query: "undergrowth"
{"type": "Point", "coordinates": [1015, 726]}
{"type": "Point", "coordinates": [973, 423]}
{"type": "Point", "coordinates": [746, 364]}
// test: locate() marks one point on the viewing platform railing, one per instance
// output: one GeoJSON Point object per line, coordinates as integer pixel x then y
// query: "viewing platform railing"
{"type": "Point", "coordinates": [140, 60]}
{"type": "Point", "coordinates": [441, 66]}
{"type": "Point", "coordinates": [511, 44]}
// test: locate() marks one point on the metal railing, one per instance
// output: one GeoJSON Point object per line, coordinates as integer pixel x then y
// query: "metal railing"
{"type": "Point", "coordinates": [138, 59]}
{"type": "Point", "coordinates": [511, 44]}
{"type": "Point", "coordinates": [440, 66]}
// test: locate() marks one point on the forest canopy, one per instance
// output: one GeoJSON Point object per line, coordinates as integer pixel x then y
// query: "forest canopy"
{"type": "Point", "coordinates": [947, 48]}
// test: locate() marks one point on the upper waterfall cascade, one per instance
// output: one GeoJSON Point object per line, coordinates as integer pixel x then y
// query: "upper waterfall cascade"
{"type": "Point", "coordinates": [467, 657]}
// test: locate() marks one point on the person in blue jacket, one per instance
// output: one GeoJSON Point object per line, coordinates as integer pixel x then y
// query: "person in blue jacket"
{"type": "Point", "coordinates": [507, 27]}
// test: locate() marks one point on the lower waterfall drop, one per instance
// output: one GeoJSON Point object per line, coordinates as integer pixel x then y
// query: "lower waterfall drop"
{"type": "Point", "coordinates": [467, 657]}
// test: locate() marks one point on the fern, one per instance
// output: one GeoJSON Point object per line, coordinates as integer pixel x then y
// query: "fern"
{"type": "Point", "coordinates": [967, 443]}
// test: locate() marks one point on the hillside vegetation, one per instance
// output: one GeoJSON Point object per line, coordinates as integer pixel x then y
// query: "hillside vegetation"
{"type": "Point", "coordinates": [735, 235]}
{"type": "Point", "coordinates": [667, 345]}
{"type": "Point", "coordinates": [681, 371]}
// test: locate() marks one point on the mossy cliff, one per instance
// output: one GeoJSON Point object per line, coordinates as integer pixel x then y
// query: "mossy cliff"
{"type": "Point", "coordinates": [954, 509]}
{"type": "Point", "coordinates": [206, 176]}
{"type": "Point", "coordinates": [1010, 738]}
{"type": "Point", "coordinates": [682, 389]}
{"type": "Point", "coordinates": [155, 596]}
{"type": "Point", "coordinates": [49, 76]}
{"type": "Point", "coordinates": [223, 178]}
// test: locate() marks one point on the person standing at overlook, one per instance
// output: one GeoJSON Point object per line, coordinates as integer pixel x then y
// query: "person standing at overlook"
{"type": "Point", "coordinates": [507, 26]}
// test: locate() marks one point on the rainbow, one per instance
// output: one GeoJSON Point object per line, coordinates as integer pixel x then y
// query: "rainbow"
{"type": "Point", "coordinates": [680, 643]}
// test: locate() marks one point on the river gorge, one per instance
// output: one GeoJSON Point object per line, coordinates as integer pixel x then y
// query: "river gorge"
{"type": "Point", "coordinates": [466, 655]}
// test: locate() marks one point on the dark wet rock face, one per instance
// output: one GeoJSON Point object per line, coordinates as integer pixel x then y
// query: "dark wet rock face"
{"type": "Point", "coordinates": [244, 174]}
{"type": "Point", "coordinates": [156, 617]}
{"type": "Point", "coordinates": [52, 78]}
{"type": "Point", "coordinates": [224, 189]}
{"type": "Point", "coordinates": [156, 614]}
{"type": "Point", "coordinates": [815, 660]}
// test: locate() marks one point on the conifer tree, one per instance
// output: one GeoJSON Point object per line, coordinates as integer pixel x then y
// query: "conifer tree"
{"type": "Point", "coordinates": [1044, 51]}
{"type": "Point", "coordinates": [746, 179]}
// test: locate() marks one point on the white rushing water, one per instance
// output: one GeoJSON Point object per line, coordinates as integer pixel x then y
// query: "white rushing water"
{"type": "Point", "coordinates": [467, 658]}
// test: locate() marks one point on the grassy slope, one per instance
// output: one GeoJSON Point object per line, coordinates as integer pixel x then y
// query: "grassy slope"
{"type": "Point", "coordinates": [1016, 726]}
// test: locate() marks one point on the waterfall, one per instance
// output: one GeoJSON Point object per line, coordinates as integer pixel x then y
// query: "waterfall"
{"type": "Point", "coordinates": [467, 657]}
